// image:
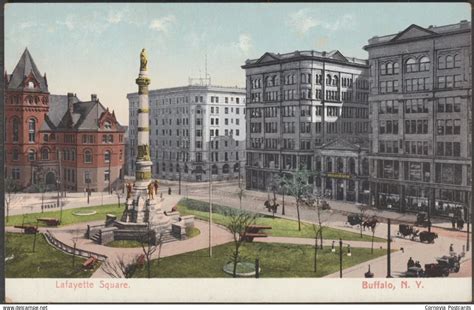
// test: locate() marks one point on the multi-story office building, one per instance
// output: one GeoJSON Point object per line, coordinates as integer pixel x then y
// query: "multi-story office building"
{"type": "Point", "coordinates": [298, 104]}
{"type": "Point", "coordinates": [56, 139]}
{"type": "Point", "coordinates": [193, 129]}
{"type": "Point", "coordinates": [420, 112]}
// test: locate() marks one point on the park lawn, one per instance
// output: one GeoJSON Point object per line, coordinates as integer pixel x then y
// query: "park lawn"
{"type": "Point", "coordinates": [280, 227]}
{"type": "Point", "coordinates": [68, 217]}
{"type": "Point", "coordinates": [45, 262]}
{"type": "Point", "coordinates": [276, 261]}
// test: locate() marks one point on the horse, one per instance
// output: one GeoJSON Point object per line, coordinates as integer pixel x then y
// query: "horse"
{"type": "Point", "coordinates": [272, 207]}
{"type": "Point", "coordinates": [370, 223]}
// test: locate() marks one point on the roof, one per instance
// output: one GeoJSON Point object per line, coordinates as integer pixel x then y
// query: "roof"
{"type": "Point", "coordinates": [332, 56]}
{"type": "Point", "coordinates": [24, 68]}
{"type": "Point", "coordinates": [85, 115]}
{"type": "Point", "coordinates": [416, 32]}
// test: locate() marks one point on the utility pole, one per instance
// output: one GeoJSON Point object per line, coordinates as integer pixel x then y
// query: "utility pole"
{"type": "Point", "coordinates": [389, 272]}
{"type": "Point", "coordinates": [210, 195]}
{"type": "Point", "coordinates": [110, 174]}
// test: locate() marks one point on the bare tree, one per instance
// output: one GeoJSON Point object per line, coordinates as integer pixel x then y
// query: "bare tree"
{"type": "Point", "coordinates": [315, 201]}
{"type": "Point", "coordinates": [241, 194]}
{"type": "Point", "coordinates": [11, 191]}
{"type": "Point", "coordinates": [150, 244]}
{"type": "Point", "coordinates": [297, 186]}
{"type": "Point", "coordinates": [119, 268]}
{"type": "Point", "coordinates": [237, 226]}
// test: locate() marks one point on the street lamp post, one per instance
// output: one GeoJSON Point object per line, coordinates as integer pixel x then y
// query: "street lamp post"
{"type": "Point", "coordinates": [88, 181]}
{"type": "Point", "coordinates": [468, 220]}
{"type": "Point", "coordinates": [110, 175]}
{"type": "Point", "coordinates": [389, 272]}
{"type": "Point", "coordinates": [340, 258]}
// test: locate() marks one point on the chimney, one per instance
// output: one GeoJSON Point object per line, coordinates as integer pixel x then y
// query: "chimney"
{"type": "Point", "coordinates": [93, 97]}
{"type": "Point", "coordinates": [70, 102]}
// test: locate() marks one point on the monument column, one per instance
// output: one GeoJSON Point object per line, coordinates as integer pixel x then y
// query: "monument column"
{"type": "Point", "coordinates": [143, 161]}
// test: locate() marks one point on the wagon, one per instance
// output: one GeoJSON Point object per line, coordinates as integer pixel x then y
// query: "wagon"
{"type": "Point", "coordinates": [405, 230]}
{"type": "Point", "coordinates": [414, 272]}
{"type": "Point", "coordinates": [436, 270]}
{"type": "Point", "coordinates": [354, 219]}
{"type": "Point", "coordinates": [450, 262]}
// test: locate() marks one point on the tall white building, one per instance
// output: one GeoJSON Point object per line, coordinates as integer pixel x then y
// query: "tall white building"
{"type": "Point", "coordinates": [195, 131]}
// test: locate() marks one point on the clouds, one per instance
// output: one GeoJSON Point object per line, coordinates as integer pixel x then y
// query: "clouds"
{"type": "Point", "coordinates": [114, 17]}
{"type": "Point", "coordinates": [245, 43]}
{"type": "Point", "coordinates": [303, 21]}
{"type": "Point", "coordinates": [163, 24]}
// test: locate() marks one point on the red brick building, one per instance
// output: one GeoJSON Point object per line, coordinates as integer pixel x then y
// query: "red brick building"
{"type": "Point", "coordinates": [56, 137]}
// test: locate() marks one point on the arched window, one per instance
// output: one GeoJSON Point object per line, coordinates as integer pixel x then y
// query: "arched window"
{"type": "Point", "coordinates": [37, 100]}
{"type": "Point", "coordinates": [335, 81]}
{"type": "Point", "coordinates": [225, 168]}
{"type": "Point", "coordinates": [73, 155]}
{"type": "Point", "coordinates": [389, 68]}
{"type": "Point", "coordinates": [424, 64]}
{"type": "Point", "coordinates": [274, 80]}
{"type": "Point", "coordinates": [449, 62]}
{"type": "Point", "coordinates": [32, 130]}
{"type": "Point", "coordinates": [328, 79]}
{"type": "Point", "coordinates": [31, 84]}
{"type": "Point", "coordinates": [214, 169]}
{"type": "Point", "coordinates": [87, 157]}
{"type": "Point", "coordinates": [441, 62]}
{"type": "Point", "coordinates": [45, 154]}
{"type": "Point", "coordinates": [107, 125]}
{"type": "Point", "coordinates": [383, 69]}
{"type": "Point", "coordinates": [457, 61]}
{"type": "Point", "coordinates": [340, 165]}
{"type": "Point", "coordinates": [107, 156]}
{"type": "Point", "coordinates": [411, 65]}
{"type": "Point", "coordinates": [396, 68]}
{"type": "Point", "coordinates": [16, 129]}
{"type": "Point", "coordinates": [236, 167]}
{"type": "Point", "coordinates": [29, 100]}
{"type": "Point", "coordinates": [365, 166]}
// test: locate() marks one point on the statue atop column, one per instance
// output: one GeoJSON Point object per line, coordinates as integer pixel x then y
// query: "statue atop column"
{"type": "Point", "coordinates": [143, 60]}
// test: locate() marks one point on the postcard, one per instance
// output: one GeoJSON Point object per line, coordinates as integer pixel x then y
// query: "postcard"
{"type": "Point", "coordinates": [238, 152]}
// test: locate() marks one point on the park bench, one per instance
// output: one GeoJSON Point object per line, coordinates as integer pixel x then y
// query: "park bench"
{"type": "Point", "coordinates": [49, 221]}
{"type": "Point", "coordinates": [28, 229]}
{"type": "Point", "coordinates": [89, 263]}
{"type": "Point", "coordinates": [255, 231]}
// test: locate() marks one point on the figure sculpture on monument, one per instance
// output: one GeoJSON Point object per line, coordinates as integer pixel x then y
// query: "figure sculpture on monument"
{"type": "Point", "coordinates": [129, 190]}
{"type": "Point", "coordinates": [150, 191]}
{"type": "Point", "coordinates": [143, 60]}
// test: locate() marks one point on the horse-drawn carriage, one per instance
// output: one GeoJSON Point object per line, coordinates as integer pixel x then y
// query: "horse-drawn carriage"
{"type": "Point", "coordinates": [443, 266]}
{"type": "Point", "coordinates": [354, 219]}
{"type": "Point", "coordinates": [405, 230]}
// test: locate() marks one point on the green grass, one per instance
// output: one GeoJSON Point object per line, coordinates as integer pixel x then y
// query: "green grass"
{"type": "Point", "coordinates": [45, 262]}
{"type": "Point", "coordinates": [124, 244]}
{"type": "Point", "coordinates": [192, 232]}
{"type": "Point", "coordinates": [280, 227]}
{"type": "Point", "coordinates": [276, 261]}
{"type": "Point", "coordinates": [68, 218]}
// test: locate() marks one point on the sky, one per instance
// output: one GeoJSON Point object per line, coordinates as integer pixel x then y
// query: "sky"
{"type": "Point", "coordinates": [95, 48]}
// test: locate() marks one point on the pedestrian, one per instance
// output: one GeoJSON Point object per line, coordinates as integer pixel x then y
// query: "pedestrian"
{"type": "Point", "coordinates": [417, 264]}
{"type": "Point", "coordinates": [451, 248]}
{"type": "Point", "coordinates": [410, 263]}
{"type": "Point", "coordinates": [453, 222]}
{"type": "Point", "coordinates": [155, 184]}
{"type": "Point", "coordinates": [169, 190]}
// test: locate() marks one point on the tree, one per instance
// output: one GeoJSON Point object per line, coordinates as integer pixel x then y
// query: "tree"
{"type": "Point", "coordinates": [237, 226]}
{"type": "Point", "coordinates": [150, 244]}
{"type": "Point", "coordinates": [11, 191]}
{"type": "Point", "coordinates": [40, 186]}
{"type": "Point", "coordinates": [315, 201]}
{"type": "Point", "coordinates": [363, 209]}
{"type": "Point", "coordinates": [119, 195]}
{"type": "Point", "coordinates": [241, 194]}
{"type": "Point", "coordinates": [118, 268]}
{"type": "Point", "coordinates": [297, 186]}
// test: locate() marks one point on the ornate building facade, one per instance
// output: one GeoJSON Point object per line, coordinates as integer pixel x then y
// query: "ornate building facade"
{"type": "Point", "coordinates": [193, 129]}
{"type": "Point", "coordinates": [298, 105]}
{"type": "Point", "coordinates": [420, 112]}
{"type": "Point", "coordinates": [51, 138]}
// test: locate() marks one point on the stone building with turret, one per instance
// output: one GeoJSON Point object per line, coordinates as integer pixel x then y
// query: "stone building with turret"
{"type": "Point", "coordinates": [58, 137]}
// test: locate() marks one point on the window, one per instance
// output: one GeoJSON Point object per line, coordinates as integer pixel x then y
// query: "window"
{"type": "Point", "coordinates": [31, 155]}
{"type": "Point", "coordinates": [107, 125]}
{"type": "Point", "coordinates": [87, 157]}
{"type": "Point", "coordinates": [107, 156]}
{"type": "Point", "coordinates": [45, 154]}
{"type": "Point", "coordinates": [424, 64]}
{"type": "Point", "coordinates": [31, 130]}
{"type": "Point", "coordinates": [226, 110]}
{"type": "Point", "coordinates": [457, 61]}
{"type": "Point", "coordinates": [16, 129]}
{"type": "Point", "coordinates": [411, 65]}
{"type": "Point", "coordinates": [449, 62]}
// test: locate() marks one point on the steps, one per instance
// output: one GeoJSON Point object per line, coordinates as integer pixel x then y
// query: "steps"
{"type": "Point", "coordinates": [96, 237]}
